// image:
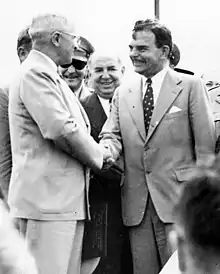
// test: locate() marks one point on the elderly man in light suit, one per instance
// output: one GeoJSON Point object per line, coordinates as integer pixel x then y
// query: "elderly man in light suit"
{"type": "Point", "coordinates": [52, 151]}
{"type": "Point", "coordinates": [162, 123]}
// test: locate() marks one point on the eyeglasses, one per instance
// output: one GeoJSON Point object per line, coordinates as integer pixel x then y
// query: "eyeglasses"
{"type": "Point", "coordinates": [72, 35]}
{"type": "Point", "coordinates": [77, 64]}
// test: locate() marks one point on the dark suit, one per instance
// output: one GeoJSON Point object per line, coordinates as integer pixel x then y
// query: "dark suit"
{"type": "Point", "coordinates": [105, 191]}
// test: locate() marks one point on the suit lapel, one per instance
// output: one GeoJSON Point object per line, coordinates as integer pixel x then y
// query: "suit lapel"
{"type": "Point", "coordinates": [98, 113]}
{"type": "Point", "coordinates": [168, 93]}
{"type": "Point", "coordinates": [84, 115]}
{"type": "Point", "coordinates": [134, 101]}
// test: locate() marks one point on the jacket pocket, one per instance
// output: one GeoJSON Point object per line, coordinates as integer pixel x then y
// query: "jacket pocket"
{"type": "Point", "coordinates": [184, 174]}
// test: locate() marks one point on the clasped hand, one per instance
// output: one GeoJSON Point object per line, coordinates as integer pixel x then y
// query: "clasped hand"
{"type": "Point", "coordinates": [108, 160]}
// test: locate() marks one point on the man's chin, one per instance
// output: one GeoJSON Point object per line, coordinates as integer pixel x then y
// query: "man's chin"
{"type": "Point", "coordinates": [139, 70]}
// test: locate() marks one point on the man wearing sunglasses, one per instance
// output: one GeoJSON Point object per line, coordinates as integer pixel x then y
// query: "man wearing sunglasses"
{"type": "Point", "coordinates": [74, 73]}
{"type": "Point", "coordinates": [52, 151]}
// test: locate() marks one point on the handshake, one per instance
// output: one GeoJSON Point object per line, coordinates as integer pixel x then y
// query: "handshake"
{"type": "Point", "coordinates": [108, 160]}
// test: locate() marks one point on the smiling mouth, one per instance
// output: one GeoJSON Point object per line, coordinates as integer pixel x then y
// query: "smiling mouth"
{"type": "Point", "coordinates": [71, 77]}
{"type": "Point", "coordinates": [138, 62]}
{"type": "Point", "coordinates": [107, 83]}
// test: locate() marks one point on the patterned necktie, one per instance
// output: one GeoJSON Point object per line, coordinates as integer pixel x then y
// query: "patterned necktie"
{"type": "Point", "coordinates": [148, 104]}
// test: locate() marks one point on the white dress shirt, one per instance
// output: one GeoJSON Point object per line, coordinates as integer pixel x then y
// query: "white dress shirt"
{"type": "Point", "coordinates": [157, 81]}
{"type": "Point", "coordinates": [105, 104]}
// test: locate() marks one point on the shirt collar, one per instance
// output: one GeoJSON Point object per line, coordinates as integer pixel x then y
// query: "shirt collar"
{"type": "Point", "coordinates": [159, 77]}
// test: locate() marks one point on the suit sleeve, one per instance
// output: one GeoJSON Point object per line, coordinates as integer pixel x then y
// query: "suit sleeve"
{"type": "Point", "coordinates": [201, 121]}
{"type": "Point", "coordinates": [111, 132]}
{"type": "Point", "coordinates": [45, 103]}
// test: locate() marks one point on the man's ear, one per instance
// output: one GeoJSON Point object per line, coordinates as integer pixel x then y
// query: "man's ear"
{"type": "Point", "coordinates": [123, 70]}
{"type": "Point", "coordinates": [55, 38]}
{"type": "Point", "coordinates": [166, 51]}
{"type": "Point", "coordinates": [22, 53]}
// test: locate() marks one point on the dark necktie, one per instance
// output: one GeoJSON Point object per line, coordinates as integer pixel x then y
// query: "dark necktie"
{"type": "Point", "coordinates": [148, 105]}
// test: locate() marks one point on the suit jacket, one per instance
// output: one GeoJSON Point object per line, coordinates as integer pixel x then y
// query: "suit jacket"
{"type": "Point", "coordinates": [96, 114]}
{"type": "Point", "coordinates": [97, 118]}
{"type": "Point", "coordinates": [161, 161]}
{"type": "Point", "coordinates": [5, 145]}
{"type": "Point", "coordinates": [51, 145]}
{"type": "Point", "coordinates": [104, 186]}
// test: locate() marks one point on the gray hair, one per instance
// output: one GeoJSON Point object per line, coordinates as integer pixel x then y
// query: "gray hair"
{"type": "Point", "coordinates": [48, 23]}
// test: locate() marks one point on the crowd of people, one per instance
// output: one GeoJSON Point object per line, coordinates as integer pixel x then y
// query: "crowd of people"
{"type": "Point", "coordinates": [96, 171]}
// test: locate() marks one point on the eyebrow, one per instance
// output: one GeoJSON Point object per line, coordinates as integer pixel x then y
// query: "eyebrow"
{"type": "Point", "coordinates": [112, 66]}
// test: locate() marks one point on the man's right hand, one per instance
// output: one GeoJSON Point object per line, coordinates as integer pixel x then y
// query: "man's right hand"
{"type": "Point", "coordinates": [108, 160]}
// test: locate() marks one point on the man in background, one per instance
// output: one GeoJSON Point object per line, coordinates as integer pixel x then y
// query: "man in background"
{"type": "Point", "coordinates": [105, 75]}
{"type": "Point", "coordinates": [155, 123]}
{"type": "Point", "coordinates": [24, 45]}
{"type": "Point", "coordinates": [174, 56]}
{"type": "Point", "coordinates": [75, 74]}
{"type": "Point", "coordinates": [214, 94]}
{"type": "Point", "coordinates": [52, 150]}
{"type": "Point", "coordinates": [197, 224]}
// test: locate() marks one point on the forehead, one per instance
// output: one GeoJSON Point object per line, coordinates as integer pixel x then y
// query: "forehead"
{"type": "Point", "coordinates": [69, 27]}
{"type": "Point", "coordinates": [143, 38]}
{"type": "Point", "coordinates": [104, 61]}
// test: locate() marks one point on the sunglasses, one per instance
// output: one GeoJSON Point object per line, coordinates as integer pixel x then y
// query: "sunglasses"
{"type": "Point", "coordinates": [78, 64]}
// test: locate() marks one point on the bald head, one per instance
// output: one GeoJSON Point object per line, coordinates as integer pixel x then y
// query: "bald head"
{"type": "Point", "coordinates": [100, 55]}
{"type": "Point", "coordinates": [106, 71]}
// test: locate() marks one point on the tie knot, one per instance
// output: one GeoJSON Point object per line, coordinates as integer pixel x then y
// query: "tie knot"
{"type": "Point", "coordinates": [149, 81]}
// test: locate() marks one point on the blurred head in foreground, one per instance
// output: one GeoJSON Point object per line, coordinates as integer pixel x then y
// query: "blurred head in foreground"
{"type": "Point", "coordinates": [198, 224]}
{"type": "Point", "coordinates": [14, 254]}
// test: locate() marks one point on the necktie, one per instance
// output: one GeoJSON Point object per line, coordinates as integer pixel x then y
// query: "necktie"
{"type": "Point", "coordinates": [148, 104]}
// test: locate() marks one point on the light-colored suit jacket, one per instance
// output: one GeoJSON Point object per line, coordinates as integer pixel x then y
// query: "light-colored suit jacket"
{"type": "Point", "coordinates": [51, 145]}
{"type": "Point", "coordinates": [181, 133]}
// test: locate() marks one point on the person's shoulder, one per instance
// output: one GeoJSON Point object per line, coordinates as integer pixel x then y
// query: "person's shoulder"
{"type": "Point", "coordinates": [186, 78]}
{"type": "Point", "coordinates": [129, 81]}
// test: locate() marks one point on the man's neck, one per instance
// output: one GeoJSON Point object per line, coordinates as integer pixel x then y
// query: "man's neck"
{"type": "Point", "coordinates": [47, 51]}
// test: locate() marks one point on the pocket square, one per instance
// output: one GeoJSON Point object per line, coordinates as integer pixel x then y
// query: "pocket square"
{"type": "Point", "coordinates": [174, 109]}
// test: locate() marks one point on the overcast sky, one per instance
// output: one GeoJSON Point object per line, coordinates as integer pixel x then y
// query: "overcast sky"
{"type": "Point", "coordinates": [195, 25]}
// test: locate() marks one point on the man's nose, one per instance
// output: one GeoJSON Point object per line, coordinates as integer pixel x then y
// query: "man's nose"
{"type": "Point", "coordinates": [105, 74]}
{"type": "Point", "coordinates": [71, 69]}
{"type": "Point", "coordinates": [133, 53]}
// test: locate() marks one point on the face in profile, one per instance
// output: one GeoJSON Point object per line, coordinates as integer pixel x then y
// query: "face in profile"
{"type": "Point", "coordinates": [67, 42]}
{"type": "Point", "coordinates": [145, 55]}
{"type": "Point", "coordinates": [105, 74]}
{"type": "Point", "coordinates": [74, 74]}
